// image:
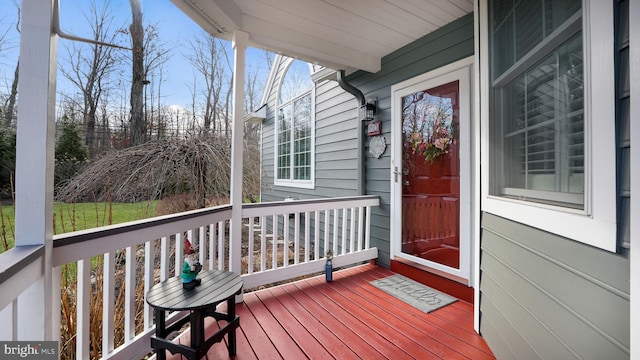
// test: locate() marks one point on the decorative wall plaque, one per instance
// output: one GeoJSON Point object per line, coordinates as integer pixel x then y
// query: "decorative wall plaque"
{"type": "Point", "coordinates": [374, 128]}
{"type": "Point", "coordinates": [377, 146]}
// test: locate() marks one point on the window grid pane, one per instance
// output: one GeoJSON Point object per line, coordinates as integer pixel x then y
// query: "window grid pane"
{"type": "Point", "coordinates": [284, 145]}
{"type": "Point", "coordinates": [539, 120]}
{"type": "Point", "coordinates": [302, 138]}
{"type": "Point", "coordinates": [295, 139]}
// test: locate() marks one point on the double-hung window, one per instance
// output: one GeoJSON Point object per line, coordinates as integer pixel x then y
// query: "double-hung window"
{"type": "Point", "coordinates": [550, 116]}
{"type": "Point", "coordinates": [538, 97]}
{"type": "Point", "coordinates": [295, 129]}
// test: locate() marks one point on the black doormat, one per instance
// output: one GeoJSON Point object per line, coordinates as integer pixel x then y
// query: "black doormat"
{"type": "Point", "coordinates": [413, 293]}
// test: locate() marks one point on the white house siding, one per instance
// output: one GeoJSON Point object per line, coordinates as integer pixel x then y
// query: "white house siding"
{"type": "Point", "coordinates": [547, 297]}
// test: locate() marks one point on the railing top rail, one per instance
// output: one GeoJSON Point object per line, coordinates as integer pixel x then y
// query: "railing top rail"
{"type": "Point", "coordinates": [100, 240]}
{"type": "Point", "coordinates": [312, 201]}
{"type": "Point", "coordinates": [100, 232]}
{"type": "Point", "coordinates": [16, 259]}
{"type": "Point", "coordinates": [258, 209]}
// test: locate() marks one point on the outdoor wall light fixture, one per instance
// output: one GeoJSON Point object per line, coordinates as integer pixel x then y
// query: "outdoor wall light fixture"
{"type": "Point", "coordinates": [367, 107]}
{"type": "Point", "coordinates": [368, 110]}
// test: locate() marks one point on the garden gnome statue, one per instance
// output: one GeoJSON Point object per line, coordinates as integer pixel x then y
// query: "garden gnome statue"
{"type": "Point", "coordinates": [190, 268]}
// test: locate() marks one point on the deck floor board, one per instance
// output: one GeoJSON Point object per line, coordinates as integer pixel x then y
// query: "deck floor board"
{"type": "Point", "coordinates": [347, 319]}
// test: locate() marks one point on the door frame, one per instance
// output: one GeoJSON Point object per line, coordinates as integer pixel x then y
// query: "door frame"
{"type": "Point", "coordinates": [462, 71]}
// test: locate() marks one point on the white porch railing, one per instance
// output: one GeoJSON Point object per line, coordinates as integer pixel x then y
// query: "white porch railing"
{"type": "Point", "coordinates": [117, 265]}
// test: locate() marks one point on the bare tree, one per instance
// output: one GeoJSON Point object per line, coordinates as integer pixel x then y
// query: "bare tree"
{"type": "Point", "coordinates": [206, 58]}
{"type": "Point", "coordinates": [138, 126]}
{"type": "Point", "coordinates": [10, 104]}
{"type": "Point", "coordinates": [228, 104]}
{"type": "Point", "coordinates": [3, 40]}
{"type": "Point", "coordinates": [157, 117]}
{"type": "Point", "coordinates": [104, 115]}
{"type": "Point", "coordinates": [89, 70]}
{"type": "Point", "coordinates": [155, 56]}
{"type": "Point", "coordinates": [268, 58]}
{"type": "Point", "coordinates": [253, 91]}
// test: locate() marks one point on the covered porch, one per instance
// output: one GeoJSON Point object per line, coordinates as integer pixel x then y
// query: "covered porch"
{"type": "Point", "coordinates": [308, 318]}
{"type": "Point", "coordinates": [347, 319]}
{"type": "Point", "coordinates": [265, 243]}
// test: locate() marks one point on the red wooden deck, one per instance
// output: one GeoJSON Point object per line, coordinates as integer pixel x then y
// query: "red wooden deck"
{"type": "Point", "coordinates": [348, 319]}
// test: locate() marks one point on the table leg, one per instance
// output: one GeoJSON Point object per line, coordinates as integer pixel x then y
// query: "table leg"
{"type": "Point", "coordinates": [197, 328]}
{"type": "Point", "coordinates": [231, 315]}
{"type": "Point", "coordinates": [161, 354]}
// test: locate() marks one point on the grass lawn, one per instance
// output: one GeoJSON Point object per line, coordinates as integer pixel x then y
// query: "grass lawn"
{"type": "Point", "coordinates": [73, 217]}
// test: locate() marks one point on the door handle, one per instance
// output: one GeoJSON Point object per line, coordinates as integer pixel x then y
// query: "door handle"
{"type": "Point", "coordinates": [396, 173]}
{"type": "Point", "coordinates": [403, 173]}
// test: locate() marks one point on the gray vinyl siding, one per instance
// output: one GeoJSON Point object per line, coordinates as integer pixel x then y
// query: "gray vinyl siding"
{"type": "Point", "coordinates": [336, 126]}
{"type": "Point", "coordinates": [547, 297]}
{"type": "Point", "coordinates": [268, 133]}
{"type": "Point", "coordinates": [335, 145]}
{"type": "Point", "coordinates": [448, 44]}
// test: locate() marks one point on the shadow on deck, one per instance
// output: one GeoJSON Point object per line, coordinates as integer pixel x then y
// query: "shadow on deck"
{"type": "Point", "coordinates": [347, 319]}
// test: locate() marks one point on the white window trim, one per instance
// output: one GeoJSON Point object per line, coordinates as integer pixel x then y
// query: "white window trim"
{"type": "Point", "coordinates": [596, 225]}
{"type": "Point", "coordinates": [302, 184]}
{"type": "Point", "coordinates": [634, 256]}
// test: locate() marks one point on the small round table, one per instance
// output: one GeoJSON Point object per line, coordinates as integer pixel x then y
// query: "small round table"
{"type": "Point", "coordinates": [168, 295]}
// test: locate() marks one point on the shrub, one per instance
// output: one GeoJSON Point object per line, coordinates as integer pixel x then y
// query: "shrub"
{"type": "Point", "coordinates": [71, 152]}
{"type": "Point", "coordinates": [7, 159]}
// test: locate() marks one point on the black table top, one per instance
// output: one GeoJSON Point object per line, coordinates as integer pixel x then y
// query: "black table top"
{"type": "Point", "coordinates": [216, 286]}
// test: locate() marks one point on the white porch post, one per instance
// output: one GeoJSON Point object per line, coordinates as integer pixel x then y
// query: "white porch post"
{"type": "Point", "coordinates": [634, 256]}
{"type": "Point", "coordinates": [35, 160]}
{"type": "Point", "coordinates": [478, 27]}
{"type": "Point", "coordinates": [240, 42]}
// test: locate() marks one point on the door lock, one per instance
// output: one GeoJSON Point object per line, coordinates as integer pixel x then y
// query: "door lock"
{"type": "Point", "coordinates": [396, 173]}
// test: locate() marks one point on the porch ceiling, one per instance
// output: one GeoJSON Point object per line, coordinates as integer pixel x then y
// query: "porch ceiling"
{"type": "Point", "coordinates": [339, 34]}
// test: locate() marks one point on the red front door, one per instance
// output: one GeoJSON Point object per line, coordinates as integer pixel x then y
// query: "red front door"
{"type": "Point", "coordinates": [431, 175]}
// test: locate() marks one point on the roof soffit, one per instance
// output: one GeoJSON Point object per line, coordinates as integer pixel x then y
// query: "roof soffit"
{"type": "Point", "coordinates": [339, 34]}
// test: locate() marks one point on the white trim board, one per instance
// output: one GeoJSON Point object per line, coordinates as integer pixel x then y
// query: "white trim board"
{"type": "Point", "coordinates": [478, 28]}
{"type": "Point", "coordinates": [634, 74]}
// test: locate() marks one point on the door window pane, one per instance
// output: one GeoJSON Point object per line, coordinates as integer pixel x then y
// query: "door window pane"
{"type": "Point", "coordinates": [431, 175]}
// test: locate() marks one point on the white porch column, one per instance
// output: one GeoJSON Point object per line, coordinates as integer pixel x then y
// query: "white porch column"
{"type": "Point", "coordinates": [478, 27]}
{"type": "Point", "coordinates": [35, 160]}
{"type": "Point", "coordinates": [634, 256]}
{"type": "Point", "coordinates": [240, 43]}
